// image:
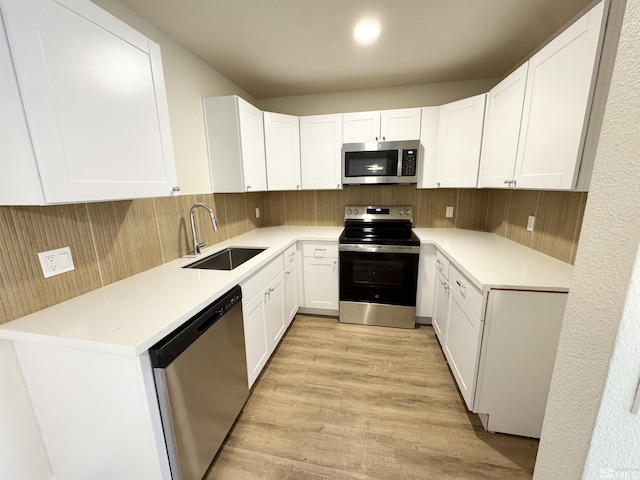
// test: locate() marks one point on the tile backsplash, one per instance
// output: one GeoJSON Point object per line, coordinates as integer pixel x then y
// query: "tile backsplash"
{"type": "Point", "coordinates": [503, 212]}
{"type": "Point", "coordinates": [113, 240]}
{"type": "Point", "coordinates": [109, 241]}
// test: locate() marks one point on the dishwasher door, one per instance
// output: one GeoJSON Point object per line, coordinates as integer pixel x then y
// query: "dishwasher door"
{"type": "Point", "coordinates": [201, 381]}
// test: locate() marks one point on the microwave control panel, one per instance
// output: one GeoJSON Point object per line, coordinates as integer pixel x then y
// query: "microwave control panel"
{"type": "Point", "coordinates": [409, 159]}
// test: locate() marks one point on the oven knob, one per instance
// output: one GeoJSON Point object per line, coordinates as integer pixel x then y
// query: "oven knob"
{"type": "Point", "coordinates": [408, 212]}
{"type": "Point", "coordinates": [400, 212]}
{"type": "Point", "coordinates": [349, 212]}
{"type": "Point", "coordinates": [355, 212]}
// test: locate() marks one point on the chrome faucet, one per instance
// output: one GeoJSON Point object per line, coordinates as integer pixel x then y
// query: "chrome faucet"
{"type": "Point", "coordinates": [197, 246]}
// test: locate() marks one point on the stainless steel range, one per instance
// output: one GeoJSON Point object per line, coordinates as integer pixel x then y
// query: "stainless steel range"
{"type": "Point", "coordinates": [378, 266]}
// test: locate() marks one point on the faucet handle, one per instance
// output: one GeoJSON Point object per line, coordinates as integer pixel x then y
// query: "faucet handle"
{"type": "Point", "coordinates": [198, 247]}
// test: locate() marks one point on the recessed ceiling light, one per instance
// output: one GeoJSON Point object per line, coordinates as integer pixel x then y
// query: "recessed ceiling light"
{"type": "Point", "coordinates": [366, 32]}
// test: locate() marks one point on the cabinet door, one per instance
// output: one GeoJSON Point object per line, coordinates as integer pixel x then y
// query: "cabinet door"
{"type": "Point", "coordinates": [291, 292]}
{"type": "Point", "coordinates": [502, 130]}
{"type": "Point", "coordinates": [19, 181]}
{"type": "Point", "coordinates": [282, 149]}
{"type": "Point", "coordinates": [252, 146]}
{"type": "Point", "coordinates": [320, 152]}
{"type": "Point", "coordinates": [361, 127]}
{"type": "Point", "coordinates": [556, 106]}
{"type": "Point", "coordinates": [94, 96]}
{"type": "Point", "coordinates": [426, 281]}
{"type": "Point", "coordinates": [429, 123]}
{"type": "Point", "coordinates": [255, 335]}
{"type": "Point", "coordinates": [402, 124]}
{"type": "Point", "coordinates": [462, 346]}
{"type": "Point", "coordinates": [321, 283]}
{"type": "Point", "coordinates": [441, 308]}
{"type": "Point", "coordinates": [459, 139]}
{"type": "Point", "coordinates": [276, 314]}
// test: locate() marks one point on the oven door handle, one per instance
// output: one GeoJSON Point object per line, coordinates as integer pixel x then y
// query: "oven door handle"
{"type": "Point", "coordinates": [415, 249]}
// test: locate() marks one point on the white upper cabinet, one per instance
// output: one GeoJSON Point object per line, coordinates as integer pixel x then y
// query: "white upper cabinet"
{"type": "Point", "coordinates": [282, 148]}
{"type": "Point", "coordinates": [387, 125]}
{"type": "Point", "coordinates": [557, 102]}
{"type": "Point", "coordinates": [502, 131]}
{"type": "Point", "coordinates": [85, 99]}
{"type": "Point", "coordinates": [402, 124]}
{"type": "Point", "coordinates": [320, 152]}
{"type": "Point", "coordinates": [361, 127]}
{"type": "Point", "coordinates": [428, 147]}
{"type": "Point", "coordinates": [459, 140]}
{"type": "Point", "coordinates": [235, 140]}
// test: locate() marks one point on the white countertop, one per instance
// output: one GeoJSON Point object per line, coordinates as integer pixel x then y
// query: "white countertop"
{"type": "Point", "coordinates": [491, 261]}
{"type": "Point", "coordinates": [131, 315]}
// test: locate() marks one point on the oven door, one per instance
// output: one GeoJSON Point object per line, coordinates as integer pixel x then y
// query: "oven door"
{"type": "Point", "coordinates": [378, 285]}
{"type": "Point", "coordinates": [378, 275]}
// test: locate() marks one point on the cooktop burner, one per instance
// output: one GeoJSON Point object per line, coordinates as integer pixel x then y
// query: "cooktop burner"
{"type": "Point", "coordinates": [378, 225]}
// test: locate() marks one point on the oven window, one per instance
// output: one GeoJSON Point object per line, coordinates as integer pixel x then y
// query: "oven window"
{"type": "Point", "coordinates": [383, 163]}
{"type": "Point", "coordinates": [376, 274]}
{"type": "Point", "coordinates": [386, 278]}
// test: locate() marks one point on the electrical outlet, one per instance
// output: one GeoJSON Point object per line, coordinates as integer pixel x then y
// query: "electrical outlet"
{"type": "Point", "coordinates": [531, 223]}
{"type": "Point", "coordinates": [55, 262]}
{"type": "Point", "coordinates": [257, 212]}
{"type": "Point", "coordinates": [449, 212]}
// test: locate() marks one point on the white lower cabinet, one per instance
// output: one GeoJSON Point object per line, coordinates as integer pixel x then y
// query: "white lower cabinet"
{"type": "Point", "coordinates": [462, 345]}
{"type": "Point", "coordinates": [441, 308]}
{"type": "Point", "coordinates": [98, 412]}
{"type": "Point", "coordinates": [264, 314]}
{"type": "Point", "coordinates": [292, 302]}
{"type": "Point", "coordinates": [275, 312]}
{"type": "Point", "coordinates": [255, 335]}
{"type": "Point", "coordinates": [426, 283]}
{"type": "Point", "coordinates": [500, 346]}
{"type": "Point", "coordinates": [321, 275]}
{"type": "Point", "coordinates": [519, 346]}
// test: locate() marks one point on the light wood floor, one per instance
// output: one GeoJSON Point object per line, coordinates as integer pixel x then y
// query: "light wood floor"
{"type": "Point", "coordinates": [355, 402]}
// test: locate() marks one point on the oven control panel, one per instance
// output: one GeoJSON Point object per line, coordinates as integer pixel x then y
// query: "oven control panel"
{"type": "Point", "coordinates": [372, 213]}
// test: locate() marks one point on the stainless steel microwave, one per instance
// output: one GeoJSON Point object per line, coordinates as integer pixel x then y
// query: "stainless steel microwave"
{"type": "Point", "coordinates": [380, 162]}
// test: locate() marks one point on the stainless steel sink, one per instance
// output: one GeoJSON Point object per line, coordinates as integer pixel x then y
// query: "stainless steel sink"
{"type": "Point", "coordinates": [226, 259]}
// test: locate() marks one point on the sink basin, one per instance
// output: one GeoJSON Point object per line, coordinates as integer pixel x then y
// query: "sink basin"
{"type": "Point", "coordinates": [226, 259]}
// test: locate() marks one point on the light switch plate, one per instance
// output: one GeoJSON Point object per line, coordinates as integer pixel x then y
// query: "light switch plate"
{"type": "Point", "coordinates": [449, 212]}
{"type": "Point", "coordinates": [55, 262]}
{"type": "Point", "coordinates": [531, 223]}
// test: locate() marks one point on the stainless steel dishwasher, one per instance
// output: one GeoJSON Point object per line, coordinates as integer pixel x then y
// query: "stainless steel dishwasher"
{"type": "Point", "coordinates": [201, 380]}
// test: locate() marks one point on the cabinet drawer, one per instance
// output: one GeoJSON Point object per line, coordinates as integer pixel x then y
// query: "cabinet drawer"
{"type": "Point", "coordinates": [467, 290]}
{"type": "Point", "coordinates": [290, 255]}
{"type": "Point", "coordinates": [442, 264]}
{"type": "Point", "coordinates": [320, 249]}
{"type": "Point", "coordinates": [256, 283]}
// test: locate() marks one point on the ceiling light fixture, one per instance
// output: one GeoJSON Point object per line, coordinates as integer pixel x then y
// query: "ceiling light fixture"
{"type": "Point", "coordinates": [366, 32]}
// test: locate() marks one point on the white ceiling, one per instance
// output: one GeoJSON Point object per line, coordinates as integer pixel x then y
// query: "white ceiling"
{"type": "Point", "coordinates": [277, 48]}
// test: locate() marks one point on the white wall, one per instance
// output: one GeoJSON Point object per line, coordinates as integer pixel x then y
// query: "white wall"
{"type": "Point", "coordinates": [598, 361]}
{"type": "Point", "coordinates": [377, 98]}
{"type": "Point", "coordinates": [188, 80]}
{"type": "Point", "coordinates": [615, 444]}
